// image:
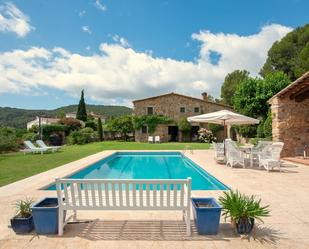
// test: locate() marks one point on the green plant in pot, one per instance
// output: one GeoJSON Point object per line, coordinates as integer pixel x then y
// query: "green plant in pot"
{"type": "Point", "coordinates": [22, 222]}
{"type": "Point", "coordinates": [242, 210]}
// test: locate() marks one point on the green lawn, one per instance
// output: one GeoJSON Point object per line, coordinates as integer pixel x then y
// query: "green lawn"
{"type": "Point", "coordinates": [16, 166]}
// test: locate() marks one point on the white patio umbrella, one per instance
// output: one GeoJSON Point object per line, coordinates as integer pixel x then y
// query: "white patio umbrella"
{"type": "Point", "coordinates": [223, 117]}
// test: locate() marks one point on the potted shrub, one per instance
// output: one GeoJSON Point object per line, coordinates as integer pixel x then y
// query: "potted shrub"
{"type": "Point", "coordinates": [207, 212]}
{"type": "Point", "coordinates": [22, 222]}
{"type": "Point", "coordinates": [242, 210]}
{"type": "Point", "coordinates": [45, 215]}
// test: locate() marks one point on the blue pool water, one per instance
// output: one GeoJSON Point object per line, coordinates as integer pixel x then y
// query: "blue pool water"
{"type": "Point", "coordinates": [149, 165]}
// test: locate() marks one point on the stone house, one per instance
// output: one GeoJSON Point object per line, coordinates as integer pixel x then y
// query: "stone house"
{"type": "Point", "coordinates": [44, 121]}
{"type": "Point", "coordinates": [97, 116]}
{"type": "Point", "coordinates": [94, 115]}
{"type": "Point", "coordinates": [290, 117]}
{"type": "Point", "coordinates": [176, 107]}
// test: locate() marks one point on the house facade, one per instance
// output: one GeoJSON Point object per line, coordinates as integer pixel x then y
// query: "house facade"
{"type": "Point", "coordinates": [176, 107]}
{"type": "Point", "coordinates": [48, 121]}
{"type": "Point", "coordinates": [94, 115]}
{"type": "Point", "coordinates": [44, 121]}
{"type": "Point", "coordinates": [290, 117]}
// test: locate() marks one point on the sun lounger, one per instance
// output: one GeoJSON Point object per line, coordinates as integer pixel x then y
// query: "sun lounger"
{"type": "Point", "coordinates": [44, 146]}
{"type": "Point", "coordinates": [30, 148]}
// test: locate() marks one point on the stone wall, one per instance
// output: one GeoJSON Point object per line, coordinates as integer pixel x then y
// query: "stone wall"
{"type": "Point", "coordinates": [169, 105]}
{"type": "Point", "coordinates": [162, 131]}
{"type": "Point", "coordinates": [290, 124]}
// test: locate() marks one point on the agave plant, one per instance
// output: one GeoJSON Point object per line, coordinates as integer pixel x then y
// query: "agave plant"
{"type": "Point", "coordinates": [238, 207]}
{"type": "Point", "coordinates": [23, 208]}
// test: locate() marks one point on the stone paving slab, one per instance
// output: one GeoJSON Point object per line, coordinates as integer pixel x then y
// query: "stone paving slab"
{"type": "Point", "coordinates": [285, 192]}
{"type": "Point", "coordinates": [300, 160]}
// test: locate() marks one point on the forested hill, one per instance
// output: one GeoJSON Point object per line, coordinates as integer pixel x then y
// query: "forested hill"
{"type": "Point", "coordinates": [18, 118]}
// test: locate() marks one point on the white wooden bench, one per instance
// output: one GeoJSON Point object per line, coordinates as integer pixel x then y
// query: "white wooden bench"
{"type": "Point", "coordinates": [118, 194]}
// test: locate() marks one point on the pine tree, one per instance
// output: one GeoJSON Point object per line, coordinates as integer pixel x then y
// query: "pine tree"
{"type": "Point", "coordinates": [81, 109]}
{"type": "Point", "coordinates": [100, 130]}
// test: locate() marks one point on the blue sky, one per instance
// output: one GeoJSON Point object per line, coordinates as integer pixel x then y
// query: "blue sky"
{"type": "Point", "coordinates": [123, 50]}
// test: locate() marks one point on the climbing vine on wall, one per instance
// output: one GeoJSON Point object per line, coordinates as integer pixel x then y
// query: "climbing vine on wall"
{"type": "Point", "coordinates": [151, 121]}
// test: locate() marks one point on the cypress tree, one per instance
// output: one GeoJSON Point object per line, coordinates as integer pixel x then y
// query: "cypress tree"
{"type": "Point", "coordinates": [81, 109]}
{"type": "Point", "coordinates": [100, 130]}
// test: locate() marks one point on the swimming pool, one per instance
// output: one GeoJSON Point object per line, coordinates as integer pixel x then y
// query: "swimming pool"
{"type": "Point", "coordinates": [149, 165]}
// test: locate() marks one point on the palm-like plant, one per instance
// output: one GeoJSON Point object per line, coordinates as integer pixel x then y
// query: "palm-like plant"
{"type": "Point", "coordinates": [23, 208]}
{"type": "Point", "coordinates": [238, 207]}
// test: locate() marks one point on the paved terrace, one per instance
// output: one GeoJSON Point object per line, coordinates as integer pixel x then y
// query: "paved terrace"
{"type": "Point", "coordinates": [286, 193]}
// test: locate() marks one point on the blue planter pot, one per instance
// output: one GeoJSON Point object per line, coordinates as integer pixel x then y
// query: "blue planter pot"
{"type": "Point", "coordinates": [22, 225]}
{"type": "Point", "coordinates": [207, 214]}
{"type": "Point", "coordinates": [45, 216]}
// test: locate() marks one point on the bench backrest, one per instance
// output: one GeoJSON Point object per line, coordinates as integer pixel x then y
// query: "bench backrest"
{"type": "Point", "coordinates": [113, 194]}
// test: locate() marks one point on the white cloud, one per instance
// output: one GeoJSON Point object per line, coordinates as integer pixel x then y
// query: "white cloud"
{"type": "Point", "coordinates": [100, 5]}
{"type": "Point", "coordinates": [120, 40]}
{"type": "Point", "coordinates": [86, 29]}
{"type": "Point", "coordinates": [13, 20]}
{"type": "Point", "coordinates": [119, 74]}
{"type": "Point", "coordinates": [82, 13]}
{"type": "Point", "coordinates": [238, 52]}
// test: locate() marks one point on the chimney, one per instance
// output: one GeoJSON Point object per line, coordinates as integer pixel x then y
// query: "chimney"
{"type": "Point", "coordinates": [205, 96]}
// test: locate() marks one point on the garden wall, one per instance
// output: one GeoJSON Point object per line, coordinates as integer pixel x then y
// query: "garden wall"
{"type": "Point", "coordinates": [290, 124]}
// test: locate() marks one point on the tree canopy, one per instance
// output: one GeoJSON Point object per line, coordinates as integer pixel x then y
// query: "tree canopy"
{"type": "Point", "coordinates": [81, 109]}
{"type": "Point", "coordinates": [251, 98]}
{"type": "Point", "coordinates": [290, 55]}
{"type": "Point", "coordinates": [18, 118]}
{"type": "Point", "coordinates": [122, 125]}
{"type": "Point", "coordinates": [231, 81]}
{"type": "Point", "coordinates": [213, 99]}
{"type": "Point", "coordinates": [100, 129]}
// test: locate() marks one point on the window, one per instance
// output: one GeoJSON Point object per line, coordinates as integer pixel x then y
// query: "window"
{"type": "Point", "coordinates": [150, 110]}
{"type": "Point", "coordinates": [196, 109]}
{"type": "Point", "coordinates": [144, 129]}
{"type": "Point", "coordinates": [182, 109]}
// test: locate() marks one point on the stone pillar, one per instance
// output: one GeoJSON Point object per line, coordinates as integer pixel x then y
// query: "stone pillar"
{"type": "Point", "coordinates": [228, 131]}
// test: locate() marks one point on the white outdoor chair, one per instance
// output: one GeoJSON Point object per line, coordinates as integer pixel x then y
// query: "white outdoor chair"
{"type": "Point", "coordinates": [157, 139]}
{"type": "Point", "coordinates": [228, 140]}
{"type": "Point", "coordinates": [30, 148]}
{"type": "Point", "coordinates": [234, 156]}
{"type": "Point", "coordinates": [257, 150]}
{"type": "Point", "coordinates": [44, 146]}
{"type": "Point", "coordinates": [219, 151]}
{"type": "Point", "coordinates": [270, 156]}
{"type": "Point", "coordinates": [150, 139]}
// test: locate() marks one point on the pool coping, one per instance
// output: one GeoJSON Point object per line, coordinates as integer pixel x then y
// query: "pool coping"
{"type": "Point", "coordinates": [276, 232]}
{"type": "Point", "coordinates": [76, 171]}
{"type": "Point", "coordinates": [191, 161]}
{"type": "Point", "coordinates": [38, 181]}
